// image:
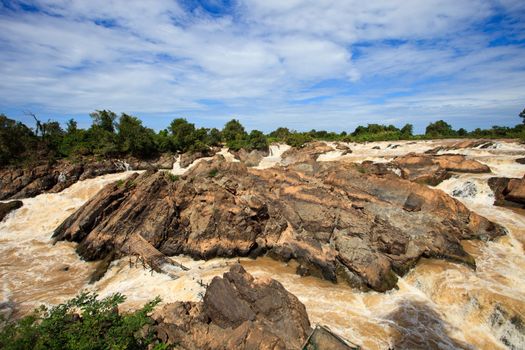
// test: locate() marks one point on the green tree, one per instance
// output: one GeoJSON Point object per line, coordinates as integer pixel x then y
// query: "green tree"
{"type": "Point", "coordinates": [71, 126]}
{"type": "Point", "coordinates": [257, 140]}
{"type": "Point", "coordinates": [164, 142]}
{"type": "Point", "coordinates": [462, 132]}
{"type": "Point", "coordinates": [214, 137]}
{"type": "Point", "coordinates": [297, 139]}
{"type": "Point", "coordinates": [407, 131]}
{"type": "Point", "coordinates": [52, 136]}
{"type": "Point", "coordinates": [233, 131]}
{"type": "Point", "coordinates": [183, 134]}
{"type": "Point", "coordinates": [522, 115]}
{"type": "Point", "coordinates": [15, 140]}
{"type": "Point", "coordinates": [280, 134]}
{"type": "Point", "coordinates": [104, 119]}
{"type": "Point", "coordinates": [135, 138]}
{"type": "Point", "coordinates": [439, 129]}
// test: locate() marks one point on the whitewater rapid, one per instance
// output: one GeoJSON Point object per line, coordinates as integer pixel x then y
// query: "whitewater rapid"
{"type": "Point", "coordinates": [439, 304]}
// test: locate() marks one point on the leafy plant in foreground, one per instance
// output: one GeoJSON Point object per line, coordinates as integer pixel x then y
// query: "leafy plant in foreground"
{"type": "Point", "coordinates": [82, 323]}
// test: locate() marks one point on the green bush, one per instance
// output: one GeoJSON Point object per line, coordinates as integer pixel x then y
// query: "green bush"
{"type": "Point", "coordinates": [213, 172]}
{"type": "Point", "coordinates": [81, 323]}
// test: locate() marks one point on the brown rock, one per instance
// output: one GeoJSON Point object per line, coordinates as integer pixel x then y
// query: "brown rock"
{"type": "Point", "coordinates": [307, 153]}
{"type": "Point", "coordinates": [6, 208]}
{"type": "Point", "coordinates": [508, 192]}
{"type": "Point", "coordinates": [516, 188]}
{"type": "Point", "coordinates": [432, 169]}
{"type": "Point", "coordinates": [252, 158]}
{"type": "Point", "coordinates": [238, 312]}
{"type": "Point", "coordinates": [340, 222]}
{"type": "Point", "coordinates": [344, 148]}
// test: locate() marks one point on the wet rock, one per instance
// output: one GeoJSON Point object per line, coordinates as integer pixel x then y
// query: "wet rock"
{"type": "Point", "coordinates": [7, 308]}
{"type": "Point", "coordinates": [237, 312]}
{"type": "Point", "coordinates": [6, 208]}
{"type": "Point", "coordinates": [321, 214]}
{"type": "Point", "coordinates": [433, 169]}
{"type": "Point", "coordinates": [520, 160]}
{"type": "Point", "coordinates": [508, 191]}
{"type": "Point", "coordinates": [376, 147]}
{"type": "Point", "coordinates": [343, 148]}
{"type": "Point", "coordinates": [516, 188]}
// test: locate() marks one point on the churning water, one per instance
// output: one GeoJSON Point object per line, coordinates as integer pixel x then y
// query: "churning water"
{"type": "Point", "coordinates": [439, 305]}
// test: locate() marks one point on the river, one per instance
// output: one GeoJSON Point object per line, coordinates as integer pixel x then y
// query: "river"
{"type": "Point", "coordinates": [439, 305]}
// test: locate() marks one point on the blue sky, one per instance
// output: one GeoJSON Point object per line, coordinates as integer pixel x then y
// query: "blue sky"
{"type": "Point", "coordinates": [322, 64]}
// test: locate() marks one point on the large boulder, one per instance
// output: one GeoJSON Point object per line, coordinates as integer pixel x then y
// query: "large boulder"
{"type": "Point", "coordinates": [361, 224]}
{"type": "Point", "coordinates": [6, 208]}
{"type": "Point", "coordinates": [432, 169]}
{"type": "Point", "coordinates": [237, 312]}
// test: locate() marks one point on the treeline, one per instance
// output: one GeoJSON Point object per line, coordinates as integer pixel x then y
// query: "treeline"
{"type": "Point", "coordinates": [112, 136]}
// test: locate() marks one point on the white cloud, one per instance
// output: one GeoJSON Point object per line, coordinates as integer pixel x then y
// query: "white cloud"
{"type": "Point", "coordinates": [261, 59]}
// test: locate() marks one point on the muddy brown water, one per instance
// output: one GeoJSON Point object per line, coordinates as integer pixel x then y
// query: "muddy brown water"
{"type": "Point", "coordinates": [438, 305]}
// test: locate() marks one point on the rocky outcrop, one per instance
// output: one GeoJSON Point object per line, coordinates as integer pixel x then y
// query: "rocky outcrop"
{"type": "Point", "coordinates": [520, 160]}
{"type": "Point", "coordinates": [237, 312]}
{"type": "Point", "coordinates": [432, 169]}
{"type": "Point", "coordinates": [462, 144]}
{"type": "Point", "coordinates": [186, 159]}
{"type": "Point", "coordinates": [304, 154]}
{"type": "Point", "coordinates": [508, 192]}
{"type": "Point", "coordinates": [252, 158]}
{"type": "Point", "coordinates": [6, 208]}
{"type": "Point", "coordinates": [343, 148]}
{"type": "Point", "coordinates": [361, 224]}
{"type": "Point", "coordinates": [26, 182]}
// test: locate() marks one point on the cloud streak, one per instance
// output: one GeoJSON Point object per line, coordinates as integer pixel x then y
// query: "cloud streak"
{"type": "Point", "coordinates": [307, 64]}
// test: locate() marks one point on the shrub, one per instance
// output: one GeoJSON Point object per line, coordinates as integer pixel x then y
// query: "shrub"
{"type": "Point", "coordinates": [83, 322]}
{"type": "Point", "coordinates": [213, 172]}
{"type": "Point", "coordinates": [172, 177]}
